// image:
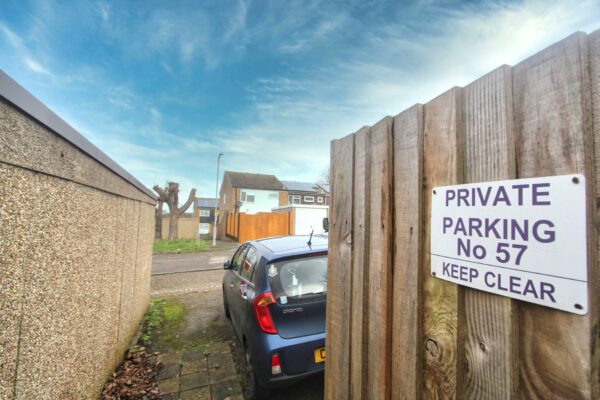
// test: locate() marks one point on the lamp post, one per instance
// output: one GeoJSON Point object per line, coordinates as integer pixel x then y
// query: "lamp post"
{"type": "Point", "coordinates": [217, 204]}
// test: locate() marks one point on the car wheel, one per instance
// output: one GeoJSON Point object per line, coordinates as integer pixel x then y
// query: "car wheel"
{"type": "Point", "coordinates": [226, 306]}
{"type": "Point", "coordinates": [255, 391]}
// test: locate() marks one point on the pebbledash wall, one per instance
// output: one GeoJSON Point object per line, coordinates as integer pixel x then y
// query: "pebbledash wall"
{"type": "Point", "coordinates": [76, 235]}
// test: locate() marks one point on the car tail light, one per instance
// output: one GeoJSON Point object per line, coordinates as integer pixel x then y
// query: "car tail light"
{"type": "Point", "coordinates": [275, 364]}
{"type": "Point", "coordinates": [263, 315]}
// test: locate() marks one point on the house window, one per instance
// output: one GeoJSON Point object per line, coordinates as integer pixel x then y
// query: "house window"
{"type": "Point", "coordinates": [205, 213]}
{"type": "Point", "coordinates": [249, 198]}
{"type": "Point", "coordinates": [294, 199]}
{"type": "Point", "coordinates": [204, 229]}
{"type": "Point", "coordinates": [243, 196]}
{"type": "Point", "coordinates": [309, 199]}
{"type": "Point", "coordinates": [319, 199]}
{"type": "Point", "coordinates": [224, 198]}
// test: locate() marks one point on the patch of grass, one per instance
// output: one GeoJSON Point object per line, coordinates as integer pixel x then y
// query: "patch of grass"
{"type": "Point", "coordinates": [180, 246]}
{"type": "Point", "coordinates": [151, 320]}
{"type": "Point", "coordinates": [162, 323]}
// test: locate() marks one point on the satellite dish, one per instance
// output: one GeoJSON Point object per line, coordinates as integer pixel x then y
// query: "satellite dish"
{"type": "Point", "coordinates": [238, 204]}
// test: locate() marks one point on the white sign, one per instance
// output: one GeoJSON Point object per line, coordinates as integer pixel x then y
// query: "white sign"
{"type": "Point", "coordinates": [524, 239]}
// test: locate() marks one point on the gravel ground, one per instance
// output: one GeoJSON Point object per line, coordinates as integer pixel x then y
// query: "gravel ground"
{"type": "Point", "coordinates": [200, 293]}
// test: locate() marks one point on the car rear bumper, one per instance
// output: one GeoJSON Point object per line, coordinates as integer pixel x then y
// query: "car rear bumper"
{"type": "Point", "coordinates": [296, 355]}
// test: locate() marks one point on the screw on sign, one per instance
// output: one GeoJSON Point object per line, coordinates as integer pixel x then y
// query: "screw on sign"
{"type": "Point", "coordinates": [524, 239]}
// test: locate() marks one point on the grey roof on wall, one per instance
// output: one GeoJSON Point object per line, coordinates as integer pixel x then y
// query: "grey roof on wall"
{"type": "Point", "coordinates": [299, 186]}
{"type": "Point", "coordinates": [253, 181]}
{"type": "Point", "coordinates": [207, 203]}
{"type": "Point", "coordinates": [19, 97]}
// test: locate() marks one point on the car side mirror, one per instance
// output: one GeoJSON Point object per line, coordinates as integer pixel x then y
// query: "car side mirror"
{"type": "Point", "coordinates": [227, 265]}
{"type": "Point", "coordinates": [326, 224]}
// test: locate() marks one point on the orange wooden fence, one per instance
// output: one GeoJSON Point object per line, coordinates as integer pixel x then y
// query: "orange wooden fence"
{"type": "Point", "coordinates": [245, 227]}
{"type": "Point", "coordinates": [396, 332]}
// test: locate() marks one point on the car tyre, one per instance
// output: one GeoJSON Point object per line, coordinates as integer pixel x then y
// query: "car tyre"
{"type": "Point", "coordinates": [226, 306]}
{"type": "Point", "coordinates": [255, 391]}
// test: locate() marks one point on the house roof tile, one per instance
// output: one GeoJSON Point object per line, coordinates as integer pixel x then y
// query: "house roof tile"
{"type": "Point", "coordinates": [253, 181]}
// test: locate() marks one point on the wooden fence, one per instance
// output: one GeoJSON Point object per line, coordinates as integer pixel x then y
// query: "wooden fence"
{"type": "Point", "coordinates": [244, 227]}
{"type": "Point", "coordinates": [232, 225]}
{"type": "Point", "coordinates": [393, 330]}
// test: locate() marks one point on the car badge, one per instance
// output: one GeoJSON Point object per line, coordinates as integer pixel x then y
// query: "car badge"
{"type": "Point", "coordinates": [272, 271]}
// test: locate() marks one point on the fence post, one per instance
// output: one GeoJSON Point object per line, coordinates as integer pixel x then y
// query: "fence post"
{"type": "Point", "coordinates": [408, 213]}
{"type": "Point", "coordinates": [594, 270]}
{"type": "Point", "coordinates": [338, 278]}
{"type": "Point", "coordinates": [443, 165]}
{"type": "Point", "coordinates": [360, 262]}
{"type": "Point", "coordinates": [380, 260]}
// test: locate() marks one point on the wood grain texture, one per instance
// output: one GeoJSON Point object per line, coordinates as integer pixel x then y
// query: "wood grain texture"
{"type": "Point", "coordinates": [408, 212]}
{"type": "Point", "coordinates": [442, 165]}
{"type": "Point", "coordinates": [490, 341]}
{"type": "Point", "coordinates": [552, 126]}
{"type": "Point", "coordinates": [380, 260]}
{"type": "Point", "coordinates": [360, 260]}
{"type": "Point", "coordinates": [337, 367]}
{"type": "Point", "coordinates": [593, 265]}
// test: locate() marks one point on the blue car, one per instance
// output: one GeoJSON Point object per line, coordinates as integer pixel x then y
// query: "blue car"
{"type": "Point", "coordinates": [274, 291]}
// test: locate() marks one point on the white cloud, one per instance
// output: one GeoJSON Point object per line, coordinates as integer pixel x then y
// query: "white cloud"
{"type": "Point", "coordinates": [35, 66]}
{"type": "Point", "coordinates": [103, 10]}
{"type": "Point", "coordinates": [18, 46]}
{"type": "Point", "coordinates": [13, 39]}
{"type": "Point", "coordinates": [156, 115]}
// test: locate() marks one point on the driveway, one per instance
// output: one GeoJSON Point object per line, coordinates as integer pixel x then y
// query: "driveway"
{"type": "Point", "coordinates": [199, 291]}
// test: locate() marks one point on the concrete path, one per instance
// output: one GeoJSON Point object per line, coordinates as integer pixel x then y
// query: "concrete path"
{"type": "Point", "coordinates": [207, 376]}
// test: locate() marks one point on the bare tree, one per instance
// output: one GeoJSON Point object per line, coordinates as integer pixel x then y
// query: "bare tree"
{"type": "Point", "coordinates": [170, 195]}
{"type": "Point", "coordinates": [324, 177]}
{"type": "Point", "coordinates": [159, 215]}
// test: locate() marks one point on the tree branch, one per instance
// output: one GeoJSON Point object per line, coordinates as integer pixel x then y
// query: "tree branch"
{"type": "Point", "coordinates": [188, 203]}
{"type": "Point", "coordinates": [162, 196]}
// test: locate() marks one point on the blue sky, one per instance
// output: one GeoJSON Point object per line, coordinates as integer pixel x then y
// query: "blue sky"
{"type": "Point", "coordinates": [163, 86]}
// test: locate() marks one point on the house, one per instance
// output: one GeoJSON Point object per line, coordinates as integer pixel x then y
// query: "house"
{"type": "Point", "coordinates": [204, 208]}
{"type": "Point", "coordinates": [307, 193]}
{"type": "Point", "coordinates": [243, 192]}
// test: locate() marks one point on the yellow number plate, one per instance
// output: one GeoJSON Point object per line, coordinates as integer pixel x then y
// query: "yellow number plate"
{"type": "Point", "coordinates": [320, 355]}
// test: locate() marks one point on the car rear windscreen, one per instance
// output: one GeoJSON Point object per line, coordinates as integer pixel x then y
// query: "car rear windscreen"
{"type": "Point", "coordinates": [299, 280]}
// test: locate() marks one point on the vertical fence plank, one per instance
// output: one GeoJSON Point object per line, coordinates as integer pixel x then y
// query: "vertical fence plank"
{"type": "Point", "coordinates": [552, 121]}
{"type": "Point", "coordinates": [337, 382]}
{"type": "Point", "coordinates": [380, 260]}
{"type": "Point", "coordinates": [442, 165]}
{"type": "Point", "coordinates": [406, 313]}
{"type": "Point", "coordinates": [360, 246]}
{"type": "Point", "coordinates": [594, 268]}
{"type": "Point", "coordinates": [490, 344]}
